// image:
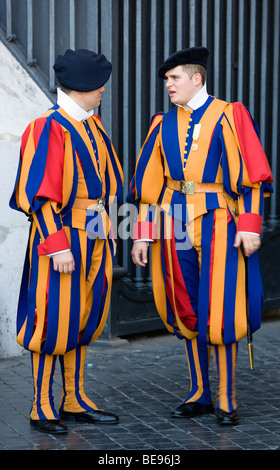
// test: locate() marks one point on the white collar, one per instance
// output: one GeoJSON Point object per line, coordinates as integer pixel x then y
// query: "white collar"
{"type": "Point", "coordinates": [199, 99]}
{"type": "Point", "coordinates": [71, 107]}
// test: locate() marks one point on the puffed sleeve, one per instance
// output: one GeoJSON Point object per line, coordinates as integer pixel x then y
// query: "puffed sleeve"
{"type": "Point", "coordinates": [246, 170]}
{"type": "Point", "coordinates": [147, 183]}
{"type": "Point", "coordinates": [38, 190]}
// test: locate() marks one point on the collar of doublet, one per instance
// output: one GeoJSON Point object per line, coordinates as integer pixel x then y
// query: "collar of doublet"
{"type": "Point", "coordinates": [71, 107]}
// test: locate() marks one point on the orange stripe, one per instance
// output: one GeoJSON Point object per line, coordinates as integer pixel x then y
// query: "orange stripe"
{"type": "Point", "coordinates": [197, 369]}
{"type": "Point", "coordinates": [218, 277]}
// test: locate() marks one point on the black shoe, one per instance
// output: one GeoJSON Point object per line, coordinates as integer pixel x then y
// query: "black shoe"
{"type": "Point", "coordinates": [192, 409]}
{"type": "Point", "coordinates": [93, 416]}
{"type": "Point", "coordinates": [225, 418]}
{"type": "Point", "coordinates": [50, 426]}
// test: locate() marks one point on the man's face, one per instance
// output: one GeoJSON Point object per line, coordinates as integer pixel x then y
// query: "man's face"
{"type": "Point", "coordinates": [89, 100]}
{"type": "Point", "coordinates": [180, 86]}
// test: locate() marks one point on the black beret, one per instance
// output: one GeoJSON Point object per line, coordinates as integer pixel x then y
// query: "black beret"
{"type": "Point", "coordinates": [192, 55]}
{"type": "Point", "coordinates": [82, 70]}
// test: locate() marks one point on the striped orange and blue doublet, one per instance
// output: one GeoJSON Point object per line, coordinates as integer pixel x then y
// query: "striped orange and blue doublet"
{"type": "Point", "coordinates": [63, 160]}
{"type": "Point", "coordinates": [227, 145]}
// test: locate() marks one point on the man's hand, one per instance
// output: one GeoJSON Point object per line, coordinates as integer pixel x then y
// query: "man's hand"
{"type": "Point", "coordinates": [250, 242]}
{"type": "Point", "coordinates": [139, 253]}
{"type": "Point", "coordinates": [64, 262]}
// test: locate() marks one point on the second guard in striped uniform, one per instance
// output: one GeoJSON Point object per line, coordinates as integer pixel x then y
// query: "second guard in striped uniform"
{"type": "Point", "coordinates": [68, 176]}
{"type": "Point", "coordinates": [199, 185]}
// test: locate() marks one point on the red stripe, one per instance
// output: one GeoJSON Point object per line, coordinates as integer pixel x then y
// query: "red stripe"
{"type": "Point", "coordinates": [183, 304]}
{"type": "Point", "coordinates": [52, 183]}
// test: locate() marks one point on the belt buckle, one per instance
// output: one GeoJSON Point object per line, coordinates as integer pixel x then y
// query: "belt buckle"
{"type": "Point", "coordinates": [187, 187]}
{"type": "Point", "coordinates": [100, 205]}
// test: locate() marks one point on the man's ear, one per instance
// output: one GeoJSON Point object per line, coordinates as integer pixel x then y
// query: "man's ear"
{"type": "Point", "coordinates": [197, 79]}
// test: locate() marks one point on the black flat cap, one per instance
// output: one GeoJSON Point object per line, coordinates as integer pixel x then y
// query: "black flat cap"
{"type": "Point", "coordinates": [82, 70]}
{"type": "Point", "coordinates": [192, 55]}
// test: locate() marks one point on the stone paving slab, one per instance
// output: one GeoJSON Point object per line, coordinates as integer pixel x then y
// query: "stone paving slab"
{"type": "Point", "coordinates": [142, 379]}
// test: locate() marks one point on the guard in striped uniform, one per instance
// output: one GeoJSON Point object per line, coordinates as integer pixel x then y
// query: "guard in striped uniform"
{"type": "Point", "coordinates": [68, 178]}
{"type": "Point", "coordinates": [199, 185]}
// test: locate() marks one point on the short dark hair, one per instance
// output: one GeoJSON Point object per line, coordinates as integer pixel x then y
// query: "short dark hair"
{"type": "Point", "coordinates": [65, 90]}
{"type": "Point", "coordinates": [192, 69]}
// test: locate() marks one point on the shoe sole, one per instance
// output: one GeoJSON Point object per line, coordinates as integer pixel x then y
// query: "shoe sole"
{"type": "Point", "coordinates": [227, 421]}
{"type": "Point", "coordinates": [81, 419]}
{"type": "Point", "coordinates": [45, 431]}
{"type": "Point", "coordinates": [204, 411]}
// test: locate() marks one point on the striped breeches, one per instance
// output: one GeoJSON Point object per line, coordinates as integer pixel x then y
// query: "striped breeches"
{"type": "Point", "coordinates": [199, 278]}
{"type": "Point", "coordinates": [58, 312]}
{"type": "Point", "coordinates": [200, 294]}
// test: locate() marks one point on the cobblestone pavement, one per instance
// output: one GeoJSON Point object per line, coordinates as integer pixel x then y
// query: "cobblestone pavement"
{"type": "Point", "coordinates": [142, 379]}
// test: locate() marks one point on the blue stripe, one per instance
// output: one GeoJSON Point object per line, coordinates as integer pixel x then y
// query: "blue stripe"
{"type": "Point", "coordinates": [213, 158]}
{"type": "Point", "coordinates": [203, 299]}
{"type": "Point", "coordinates": [53, 311]}
{"type": "Point", "coordinates": [230, 285]}
{"type": "Point", "coordinates": [31, 294]}
{"type": "Point", "coordinates": [171, 144]}
{"type": "Point", "coordinates": [247, 197]}
{"type": "Point", "coordinates": [61, 361]}
{"type": "Point", "coordinates": [212, 201]}
{"type": "Point", "coordinates": [108, 144]}
{"type": "Point", "coordinates": [255, 291]}
{"type": "Point", "coordinates": [22, 303]}
{"type": "Point", "coordinates": [40, 374]}
{"type": "Point", "coordinates": [96, 311]}
{"type": "Point", "coordinates": [74, 317]}
{"type": "Point", "coordinates": [202, 349]}
{"type": "Point", "coordinates": [193, 373]}
{"type": "Point", "coordinates": [230, 384]}
{"type": "Point", "coordinates": [261, 199]}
